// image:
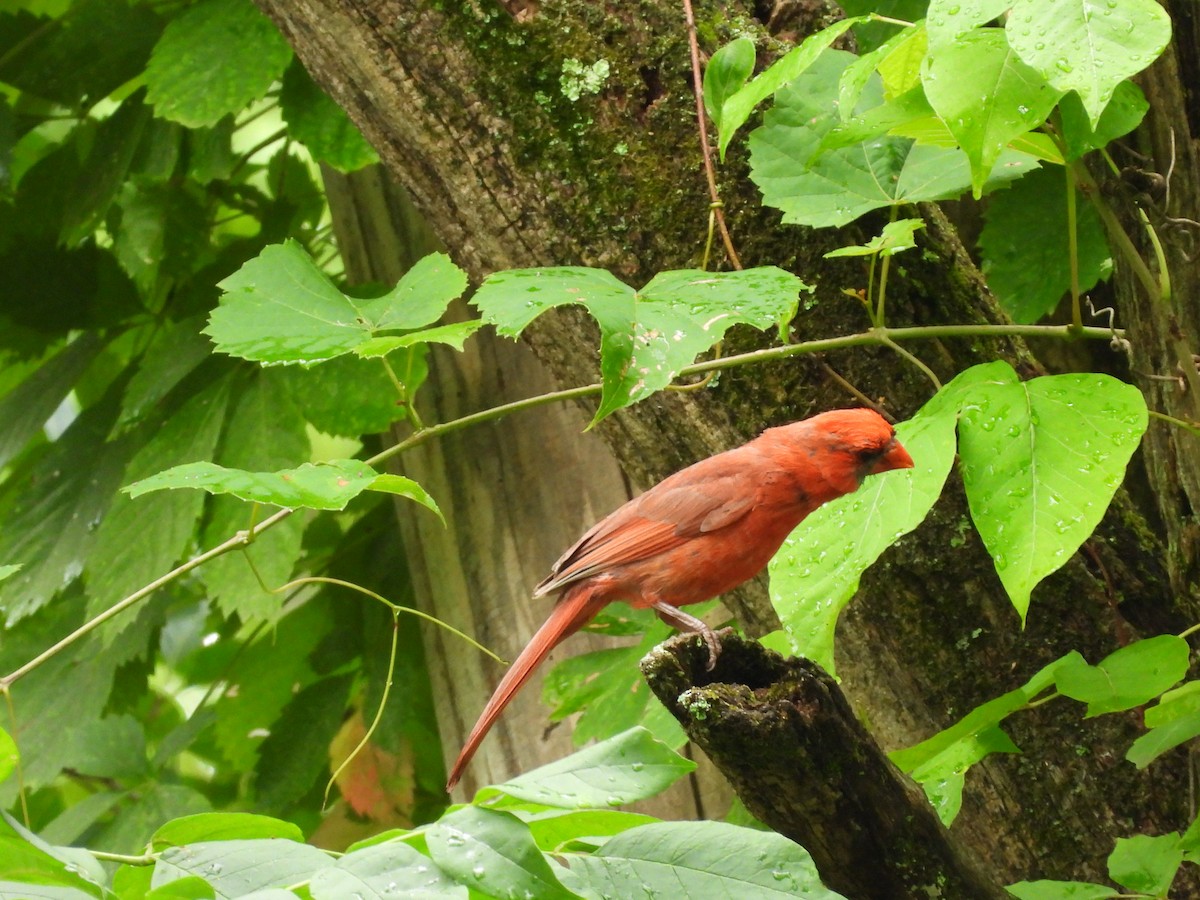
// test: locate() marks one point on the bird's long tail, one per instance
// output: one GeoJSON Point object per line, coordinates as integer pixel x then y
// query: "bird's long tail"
{"type": "Point", "coordinates": [574, 610]}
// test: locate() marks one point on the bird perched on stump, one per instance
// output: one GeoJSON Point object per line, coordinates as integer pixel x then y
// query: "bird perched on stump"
{"type": "Point", "coordinates": [699, 533]}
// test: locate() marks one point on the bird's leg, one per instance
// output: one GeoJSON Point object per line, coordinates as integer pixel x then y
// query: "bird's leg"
{"type": "Point", "coordinates": [677, 618]}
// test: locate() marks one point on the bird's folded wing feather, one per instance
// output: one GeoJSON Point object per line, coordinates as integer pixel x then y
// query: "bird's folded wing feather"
{"type": "Point", "coordinates": [661, 519]}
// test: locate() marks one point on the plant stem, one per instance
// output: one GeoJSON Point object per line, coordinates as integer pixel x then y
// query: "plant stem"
{"type": "Point", "coordinates": [702, 124]}
{"type": "Point", "coordinates": [1073, 248]}
{"type": "Point", "coordinates": [873, 337]}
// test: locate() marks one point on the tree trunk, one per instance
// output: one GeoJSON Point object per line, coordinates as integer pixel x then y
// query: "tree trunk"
{"type": "Point", "coordinates": [466, 106]}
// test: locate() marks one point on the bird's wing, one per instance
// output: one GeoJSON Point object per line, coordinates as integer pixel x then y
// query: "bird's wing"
{"type": "Point", "coordinates": [661, 519]}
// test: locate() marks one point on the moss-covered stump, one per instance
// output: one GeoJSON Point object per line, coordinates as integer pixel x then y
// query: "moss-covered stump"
{"type": "Point", "coordinates": [786, 738]}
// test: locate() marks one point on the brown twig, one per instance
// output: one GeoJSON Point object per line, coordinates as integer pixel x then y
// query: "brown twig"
{"type": "Point", "coordinates": [702, 125]}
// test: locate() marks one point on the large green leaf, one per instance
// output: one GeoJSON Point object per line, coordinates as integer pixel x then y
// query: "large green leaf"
{"type": "Point", "coordinates": [494, 853]}
{"type": "Point", "coordinates": [281, 308]}
{"type": "Point", "coordinates": [213, 60]}
{"type": "Point", "coordinates": [1024, 245]}
{"type": "Point", "coordinates": [1079, 46]}
{"type": "Point", "coordinates": [1040, 461]}
{"type": "Point", "coordinates": [817, 570]}
{"type": "Point", "coordinates": [1061, 890]}
{"type": "Point", "coordinates": [647, 336]}
{"type": "Point", "coordinates": [139, 541]}
{"type": "Point", "coordinates": [838, 186]}
{"type": "Point", "coordinates": [237, 867]}
{"type": "Point", "coordinates": [986, 96]}
{"type": "Point", "coordinates": [1129, 677]}
{"type": "Point", "coordinates": [222, 827]}
{"type": "Point", "coordinates": [326, 485]}
{"type": "Point", "coordinates": [1146, 864]}
{"type": "Point", "coordinates": [701, 859]}
{"type": "Point", "coordinates": [631, 766]}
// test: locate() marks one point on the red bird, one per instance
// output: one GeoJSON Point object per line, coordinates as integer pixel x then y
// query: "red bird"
{"type": "Point", "coordinates": [699, 533]}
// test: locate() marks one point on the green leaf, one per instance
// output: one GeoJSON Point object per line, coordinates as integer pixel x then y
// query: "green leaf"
{"type": "Point", "coordinates": [838, 186]}
{"type": "Point", "coordinates": [112, 747]}
{"type": "Point", "coordinates": [105, 169]}
{"type": "Point", "coordinates": [1024, 245]}
{"type": "Point", "coordinates": [138, 542]}
{"type": "Point", "coordinates": [325, 485]}
{"type": "Point", "coordinates": [909, 42]}
{"type": "Point", "coordinates": [1146, 864]}
{"type": "Point", "coordinates": [1123, 113]}
{"type": "Point", "coordinates": [727, 71]}
{"type": "Point", "coordinates": [237, 867]}
{"type": "Point", "coordinates": [1060, 890]}
{"type": "Point", "coordinates": [281, 308]}
{"type": "Point", "coordinates": [737, 108]}
{"type": "Point", "coordinates": [320, 124]}
{"type": "Point", "coordinates": [420, 297]}
{"type": "Point", "coordinates": [82, 56]}
{"type": "Point", "coordinates": [349, 397]}
{"type": "Point", "coordinates": [212, 60]}
{"type": "Point", "coordinates": [265, 680]}
{"type": "Point", "coordinates": [25, 408]}
{"type": "Point", "coordinates": [264, 432]}
{"type": "Point", "coordinates": [1040, 461]}
{"type": "Point", "coordinates": [1129, 677]}
{"type": "Point", "coordinates": [817, 570]}
{"type": "Point", "coordinates": [947, 20]}
{"type": "Point", "coordinates": [1173, 720]}
{"type": "Point", "coordinates": [295, 756]}
{"type": "Point", "coordinates": [986, 96]}
{"type": "Point", "coordinates": [701, 859]}
{"type": "Point", "coordinates": [631, 766]}
{"type": "Point", "coordinates": [647, 336]}
{"type": "Point", "coordinates": [384, 871]}
{"type": "Point", "coordinates": [494, 853]}
{"type": "Point", "coordinates": [29, 861]}
{"type": "Point", "coordinates": [8, 755]}
{"type": "Point", "coordinates": [52, 504]}
{"type": "Point", "coordinates": [940, 763]}
{"type": "Point", "coordinates": [896, 237]}
{"type": "Point", "coordinates": [1077, 50]}
{"type": "Point", "coordinates": [406, 487]}
{"type": "Point", "coordinates": [174, 353]}
{"type": "Point", "coordinates": [222, 827]}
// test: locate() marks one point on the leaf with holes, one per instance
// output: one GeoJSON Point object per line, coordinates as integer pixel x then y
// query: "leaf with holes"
{"type": "Point", "coordinates": [646, 336]}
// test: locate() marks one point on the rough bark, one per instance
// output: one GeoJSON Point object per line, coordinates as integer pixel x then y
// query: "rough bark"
{"type": "Point", "coordinates": [506, 521]}
{"type": "Point", "coordinates": [784, 735]}
{"type": "Point", "coordinates": [465, 104]}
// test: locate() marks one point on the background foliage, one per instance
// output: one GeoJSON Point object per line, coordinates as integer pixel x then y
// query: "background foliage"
{"type": "Point", "coordinates": [174, 318]}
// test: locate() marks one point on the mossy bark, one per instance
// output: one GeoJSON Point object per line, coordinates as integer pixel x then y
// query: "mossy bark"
{"type": "Point", "coordinates": [473, 109]}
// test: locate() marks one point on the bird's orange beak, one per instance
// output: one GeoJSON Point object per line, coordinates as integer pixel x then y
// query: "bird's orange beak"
{"type": "Point", "coordinates": [896, 457]}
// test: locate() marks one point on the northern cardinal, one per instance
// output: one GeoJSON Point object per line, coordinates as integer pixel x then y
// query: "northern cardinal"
{"type": "Point", "coordinates": [699, 533]}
